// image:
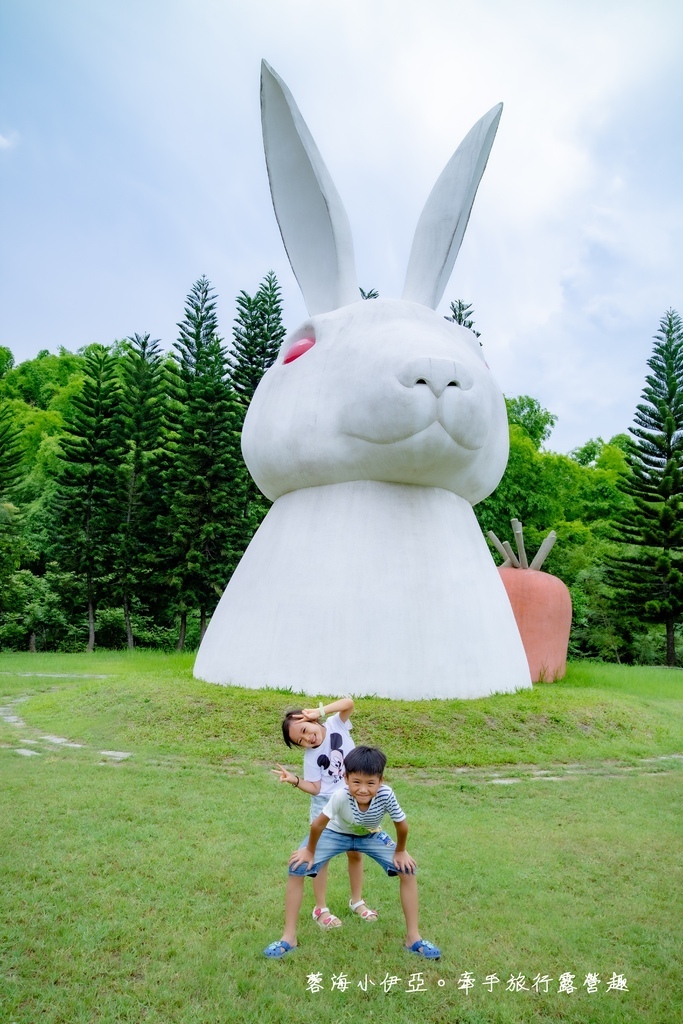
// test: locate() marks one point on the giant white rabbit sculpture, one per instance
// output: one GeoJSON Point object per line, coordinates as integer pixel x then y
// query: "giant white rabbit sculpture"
{"type": "Point", "coordinates": [374, 432]}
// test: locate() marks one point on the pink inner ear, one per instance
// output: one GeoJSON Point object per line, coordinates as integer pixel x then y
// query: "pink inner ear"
{"type": "Point", "coordinates": [298, 349]}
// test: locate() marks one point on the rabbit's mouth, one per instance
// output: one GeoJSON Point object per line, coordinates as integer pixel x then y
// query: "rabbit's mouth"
{"type": "Point", "coordinates": [435, 432]}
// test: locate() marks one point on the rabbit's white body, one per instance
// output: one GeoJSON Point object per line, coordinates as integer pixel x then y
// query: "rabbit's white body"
{"type": "Point", "coordinates": [367, 588]}
{"type": "Point", "coordinates": [374, 432]}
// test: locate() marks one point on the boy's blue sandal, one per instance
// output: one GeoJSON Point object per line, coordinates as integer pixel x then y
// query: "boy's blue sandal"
{"type": "Point", "coordinates": [426, 949]}
{"type": "Point", "coordinates": [276, 950]}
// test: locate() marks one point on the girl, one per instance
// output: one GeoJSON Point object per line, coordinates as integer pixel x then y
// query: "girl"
{"type": "Point", "coordinates": [325, 747]}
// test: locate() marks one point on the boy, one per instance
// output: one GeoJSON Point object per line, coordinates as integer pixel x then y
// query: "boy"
{"type": "Point", "coordinates": [350, 821]}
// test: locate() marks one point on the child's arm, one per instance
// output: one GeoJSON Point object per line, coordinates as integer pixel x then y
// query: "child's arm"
{"type": "Point", "coordinates": [306, 855]}
{"type": "Point", "coordinates": [344, 708]}
{"type": "Point", "coordinates": [402, 859]}
{"type": "Point", "coordinates": [297, 781]}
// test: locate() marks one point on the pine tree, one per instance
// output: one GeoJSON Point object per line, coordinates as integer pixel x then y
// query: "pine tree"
{"type": "Point", "coordinates": [205, 480]}
{"type": "Point", "coordinates": [10, 451]}
{"type": "Point", "coordinates": [10, 474]}
{"type": "Point", "coordinates": [143, 395]}
{"type": "Point", "coordinates": [257, 335]}
{"type": "Point", "coordinates": [648, 573]}
{"type": "Point", "coordinates": [86, 505]}
{"type": "Point", "coordinates": [461, 313]}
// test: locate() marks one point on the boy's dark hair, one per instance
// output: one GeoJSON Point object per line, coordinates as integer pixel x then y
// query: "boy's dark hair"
{"type": "Point", "coordinates": [365, 761]}
{"type": "Point", "coordinates": [286, 723]}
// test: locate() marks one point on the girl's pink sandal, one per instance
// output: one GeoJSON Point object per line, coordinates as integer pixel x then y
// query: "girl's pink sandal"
{"type": "Point", "coordinates": [325, 919]}
{"type": "Point", "coordinates": [365, 913]}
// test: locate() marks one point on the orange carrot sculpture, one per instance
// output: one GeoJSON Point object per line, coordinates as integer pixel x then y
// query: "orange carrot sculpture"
{"type": "Point", "coordinates": [541, 604]}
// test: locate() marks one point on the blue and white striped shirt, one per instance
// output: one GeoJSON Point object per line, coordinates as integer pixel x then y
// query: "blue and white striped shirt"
{"type": "Point", "coordinates": [346, 816]}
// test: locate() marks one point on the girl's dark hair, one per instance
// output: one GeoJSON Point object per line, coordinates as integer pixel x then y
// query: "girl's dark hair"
{"type": "Point", "coordinates": [365, 761]}
{"type": "Point", "coordinates": [286, 723]}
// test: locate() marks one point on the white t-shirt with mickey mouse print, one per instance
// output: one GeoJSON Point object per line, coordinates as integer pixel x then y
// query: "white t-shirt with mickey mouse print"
{"type": "Point", "coordinates": [326, 762]}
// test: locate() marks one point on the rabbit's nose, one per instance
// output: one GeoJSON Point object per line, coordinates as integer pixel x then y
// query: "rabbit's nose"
{"type": "Point", "coordinates": [436, 374]}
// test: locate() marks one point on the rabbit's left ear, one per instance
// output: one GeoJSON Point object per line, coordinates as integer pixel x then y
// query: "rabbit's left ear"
{"type": "Point", "coordinates": [311, 216]}
{"type": "Point", "coordinates": [442, 224]}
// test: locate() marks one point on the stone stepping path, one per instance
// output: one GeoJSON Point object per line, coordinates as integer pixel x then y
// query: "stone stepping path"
{"type": "Point", "coordinates": [35, 739]}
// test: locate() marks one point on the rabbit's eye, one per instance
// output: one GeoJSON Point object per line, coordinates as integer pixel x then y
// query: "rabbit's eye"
{"type": "Point", "coordinates": [298, 349]}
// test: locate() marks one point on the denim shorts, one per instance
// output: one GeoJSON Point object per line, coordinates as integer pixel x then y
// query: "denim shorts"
{"type": "Point", "coordinates": [377, 845]}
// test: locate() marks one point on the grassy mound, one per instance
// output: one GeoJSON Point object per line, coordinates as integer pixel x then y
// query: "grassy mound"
{"type": "Point", "coordinates": [152, 701]}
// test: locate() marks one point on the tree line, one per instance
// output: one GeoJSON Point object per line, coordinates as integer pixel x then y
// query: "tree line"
{"type": "Point", "coordinates": [125, 501]}
{"type": "Point", "coordinates": [125, 504]}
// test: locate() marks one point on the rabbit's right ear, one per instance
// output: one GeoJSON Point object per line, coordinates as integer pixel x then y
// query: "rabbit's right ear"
{"type": "Point", "coordinates": [312, 220]}
{"type": "Point", "coordinates": [442, 223]}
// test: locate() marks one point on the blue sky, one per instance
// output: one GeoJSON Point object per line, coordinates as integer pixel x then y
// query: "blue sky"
{"type": "Point", "coordinates": [131, 164]}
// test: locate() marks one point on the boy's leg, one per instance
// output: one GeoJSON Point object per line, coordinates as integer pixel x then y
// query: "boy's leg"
{"type": "Point", "coordinates": [381, 848]}
{"type": "Point", "coordinates": [355, 875]}
{"type": "Point", "coordinates": [330, 845]}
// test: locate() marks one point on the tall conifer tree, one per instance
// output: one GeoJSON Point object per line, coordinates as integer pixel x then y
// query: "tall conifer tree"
{"type": "Point", "coordinates": [205, 481]}
{"type": "Point", "coordinates": [10, 474]}
{"type": "Point", "coordinates": [257, 335]}
{"type": "Point", "coordinates": [648, 573]}
{"type": "Point", "coordinates": [142, 407]}
{"type": "Point", "coordinates": [10, 451]}
{"type": "Point", "coordinates": [86, 502]}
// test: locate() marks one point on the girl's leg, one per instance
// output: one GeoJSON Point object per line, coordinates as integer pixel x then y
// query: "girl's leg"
{"type": "Point", "coordinates": [357, 903]}
{"type": "Point", "coordinates": [320, 887]}
{"type": "Point", "coordinates": [408, 885]}
{"type": "Point", "coordinates": [326, 920]}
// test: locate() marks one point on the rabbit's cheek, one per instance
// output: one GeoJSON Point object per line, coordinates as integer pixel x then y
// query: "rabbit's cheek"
{"type": "Point", "coordinates": [465, 417]}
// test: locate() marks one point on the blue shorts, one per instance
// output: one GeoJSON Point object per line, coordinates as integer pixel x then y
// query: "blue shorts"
{"type": "Point", "coordinates": [377, 845]}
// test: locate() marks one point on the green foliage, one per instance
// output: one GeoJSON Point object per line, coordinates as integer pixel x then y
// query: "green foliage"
{"type": "Point", "coordinates": [536, 488]}
{"type": "Point", "coordinates": [40, 381]}
{"type": "Point", "coordinates": [143, 385]}
{"type": "Point", "coordinates": [85, 503]}
{"type": "Point", "coordinates": [257, 335]}
{"type": "Point", "coordinates": [132, 500]}
{"type": "Point", "coordinates": [371, 293]}
{"type": "Point", "coordinates": [205, 482]}
{"type": "Point", "coordinates": [10, 472]}
{"type": "Point", "coordinates": [10, 451]}
{"type": "Point", "coordinates": [6, 360]}
{"type": "Point", "coordinates": [527, 413]}
{"type": "Point", "coordinates": [647, 572]}
{"type": "Point", "coordinates": [461, 313]}
{"type": "Point", "coordinates": [577, 498]}
{"type": "Point", "coordinates": [36, 612]}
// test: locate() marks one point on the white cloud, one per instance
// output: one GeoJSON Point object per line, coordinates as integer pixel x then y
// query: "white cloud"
{"type": "Point", "coordinates": [146, 170]}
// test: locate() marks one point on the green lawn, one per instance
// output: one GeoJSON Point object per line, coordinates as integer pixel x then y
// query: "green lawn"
{"type": "Point", "coordinates": [144, 889]}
